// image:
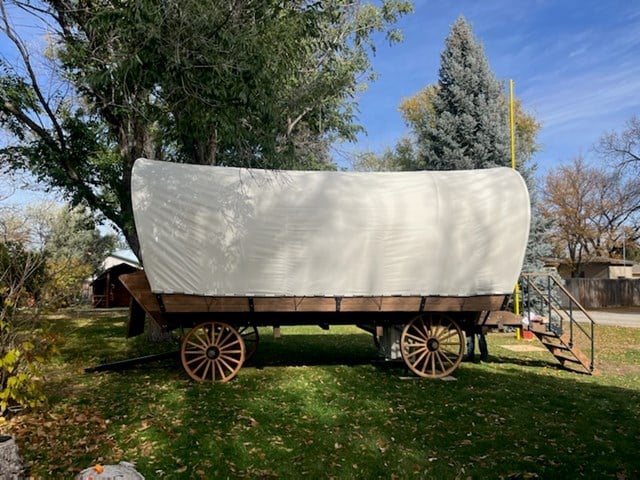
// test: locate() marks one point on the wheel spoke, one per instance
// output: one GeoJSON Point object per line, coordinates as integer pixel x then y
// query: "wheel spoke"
{"type": "Point", "coordinates": [220, 339]}
{"type": "Point", "coordinates": [416, 349]}
{"type": "Point", "coordinates": [425, 364]}
{"type": "Point", "coordinates": [439, 357]}
{"type": "Point", "coordinates": [206, 369]}
{"type": "Point", "coordinates": [222, 374]}
{"type": "Point", "coordinates": [194, 360]}
{"type": "Point", "coordinates": [433, 364]}
{"type": "Point", "coordinates": [196, 346]}
{"type": "Point", "coordinates": [423, 329]}
{"type": "Point", "coordinates": [227, 366]}
{"type": "Point", "coordinates": [232, 359]}
{"type": "Point", "coordinates": [426, 353]}
{"type": "Point", "coordinates": [226, 346]}
{"type": "Point", "coordinates": [443, 353]}
{"type": "Point", "coordinates": [199, 366]}
{"type": "Point", "coordinates": [421, 340]}
{"type": "Point", "coordinates": [452, 334]}
{"type": "Point", "coordinates": [204, 342]}
{"type": "Point", "coordinates": [230, 351]}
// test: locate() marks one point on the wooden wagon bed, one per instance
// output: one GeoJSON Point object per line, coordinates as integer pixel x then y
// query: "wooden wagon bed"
{"type": "Point", "coordinates": [171, 311]}
{"type": "Point", "coordinates": [425, 322]}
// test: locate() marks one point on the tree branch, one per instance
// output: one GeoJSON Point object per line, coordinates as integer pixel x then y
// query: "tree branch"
{"type": "Point", "coordinates": [32, 76]}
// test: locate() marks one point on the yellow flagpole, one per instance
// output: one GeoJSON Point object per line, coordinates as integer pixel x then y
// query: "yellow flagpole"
{"type": "Point", "coordinates": [512, 128]}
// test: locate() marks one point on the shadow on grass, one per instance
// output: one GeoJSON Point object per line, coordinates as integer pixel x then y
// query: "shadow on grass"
{"type": "Point", "coordinates": [322, 410]}
{"type": "Point", "coordinates": [310, 350]}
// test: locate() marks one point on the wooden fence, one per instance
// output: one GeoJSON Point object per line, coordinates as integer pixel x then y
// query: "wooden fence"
{"type": "Point", "coordinates": [601, 293]}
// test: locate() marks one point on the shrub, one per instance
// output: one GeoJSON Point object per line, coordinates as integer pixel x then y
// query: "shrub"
{"type": "Point", "coordinates": [24, 344]}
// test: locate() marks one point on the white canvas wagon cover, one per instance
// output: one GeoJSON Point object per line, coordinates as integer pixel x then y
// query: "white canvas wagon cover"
{"type": "Point", "coordinates": [221, 231]}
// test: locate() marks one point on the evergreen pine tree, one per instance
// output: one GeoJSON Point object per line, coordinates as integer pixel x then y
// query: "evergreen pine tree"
{"type": "Point", "coordinates": [468, 127]}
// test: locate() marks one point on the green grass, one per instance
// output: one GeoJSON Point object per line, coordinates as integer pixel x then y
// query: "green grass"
{"type": "Point", "coordinates": [312, 404]}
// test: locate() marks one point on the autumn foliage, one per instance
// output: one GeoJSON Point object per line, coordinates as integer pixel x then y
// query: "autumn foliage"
{"type": "Point", "coordinates": [593, 210]}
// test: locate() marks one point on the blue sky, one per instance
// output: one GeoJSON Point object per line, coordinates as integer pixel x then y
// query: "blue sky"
{"type": "Point", "coordinates": [575, 64]}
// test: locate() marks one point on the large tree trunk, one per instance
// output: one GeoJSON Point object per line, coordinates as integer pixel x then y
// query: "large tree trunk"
{"type": "Point", "coordinates": [154, 333]}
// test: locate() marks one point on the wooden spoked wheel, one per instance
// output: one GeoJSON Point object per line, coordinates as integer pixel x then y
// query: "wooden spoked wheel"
{"type": "Point", "coordinates": [212, 351]}
{"type": "Point", "coordinates": [432, 345]}
{"type": "Point", "coordinates": [251, 338]}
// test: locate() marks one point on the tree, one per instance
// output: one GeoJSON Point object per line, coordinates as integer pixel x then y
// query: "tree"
{"type": "Point", "coordinates": [74, 249]}
{"type": "Point", "coordinates": [401, 157]}
{"type": "Point", "coordinates": [593, 211]}
{"type": "Point", "coordinates": [24, 345]}
{"type": "Point", "coordinates": [418, 110]}
{"type": "Point", "coordinates": [468, 126]}
{"type": "Point", "coordinates": [210, 82]}
{"type": "Point", "coordinates": [623, 148]}
{"type": "Point", "coordinates": [73, 233]}
{"type": "Point", "coordinates": [67, 241]}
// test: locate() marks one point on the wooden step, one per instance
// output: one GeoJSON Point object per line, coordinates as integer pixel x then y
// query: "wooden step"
{"type": "Point", "coordinates": [567, 358]}
{"type": "Point", "coordinates": [559, 346]}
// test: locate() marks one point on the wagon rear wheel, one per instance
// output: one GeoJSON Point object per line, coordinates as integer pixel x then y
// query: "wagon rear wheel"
{"type": "Point", "coordinates": [251, 338]}
{"type": "Point", "coordinates": [212, 351]}
{"type": "Point", "coordinates": [432, 345]}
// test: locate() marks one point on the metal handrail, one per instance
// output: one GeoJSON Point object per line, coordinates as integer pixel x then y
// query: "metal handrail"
{"type": "Point", "coordinates": [549, 297]}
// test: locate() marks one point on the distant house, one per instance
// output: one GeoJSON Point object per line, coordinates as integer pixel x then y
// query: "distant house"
{"type": "Point", "coordinates": [597, 267]}
{"type": "Point", "coordinates": [106, 289]}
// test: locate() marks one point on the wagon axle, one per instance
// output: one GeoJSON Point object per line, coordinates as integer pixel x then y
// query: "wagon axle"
{"type": "Point", "coordinates": [212, 352]}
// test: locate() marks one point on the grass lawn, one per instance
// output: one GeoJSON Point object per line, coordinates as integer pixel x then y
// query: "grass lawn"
{"type": "Point", "coordinates": [312, 404]}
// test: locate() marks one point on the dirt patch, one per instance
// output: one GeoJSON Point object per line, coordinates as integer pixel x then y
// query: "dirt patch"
{"type": "Point", "coordinates": [523, 348]}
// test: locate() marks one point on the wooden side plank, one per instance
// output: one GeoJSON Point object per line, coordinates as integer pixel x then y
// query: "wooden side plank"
{"type": "Point", "coordinates": [139, 288]}
{"type": "Point", "coordinates": [401, 304]}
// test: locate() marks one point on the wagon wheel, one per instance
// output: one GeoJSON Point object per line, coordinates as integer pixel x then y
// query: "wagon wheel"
{"type": "Point", "coordinates": [212, 351]}
{"type": "Point", "coordinates": [251, 338]}
{"type": "Point", "coordinates": [432, 345]}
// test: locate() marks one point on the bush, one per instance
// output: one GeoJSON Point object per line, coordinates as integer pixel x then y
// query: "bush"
{"type": "Point", "coordinates": [24, 344]}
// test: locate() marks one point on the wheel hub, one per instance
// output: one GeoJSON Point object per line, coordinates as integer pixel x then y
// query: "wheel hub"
{"type": "Point", "coordinates": [433, 344]}
{"type": "Point", "coordinates": [212, 352]}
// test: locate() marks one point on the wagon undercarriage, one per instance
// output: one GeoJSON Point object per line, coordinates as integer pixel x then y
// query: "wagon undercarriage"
{"type": "Point", "coordinates": [426, 333]}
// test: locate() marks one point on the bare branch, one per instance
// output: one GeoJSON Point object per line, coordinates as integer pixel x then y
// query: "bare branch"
{"type": "Point", "coordinates": [26, 58]}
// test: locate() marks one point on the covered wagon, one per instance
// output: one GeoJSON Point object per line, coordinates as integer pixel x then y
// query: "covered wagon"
{"type": "Point", "coordinates": [415, 258]}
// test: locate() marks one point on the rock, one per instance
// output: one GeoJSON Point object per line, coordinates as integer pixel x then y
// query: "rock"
{"type": "Point", "coordinates": [10, 463]}
{"type": "Point", "coordinates": [122, 471]}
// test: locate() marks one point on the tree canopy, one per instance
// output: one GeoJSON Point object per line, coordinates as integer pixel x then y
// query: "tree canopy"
{"type": "Point", "coordinates": [66, 243]}
{"type": "Point", "coordinates": [467, 125]}
{"type": "Point", "coordinates": [593, 210]}
{"type": "Point", "coordinates": [264, 84]}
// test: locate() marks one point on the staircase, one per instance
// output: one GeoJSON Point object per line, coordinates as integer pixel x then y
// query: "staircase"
{"type": "Point", "coordinates": [555, 325]}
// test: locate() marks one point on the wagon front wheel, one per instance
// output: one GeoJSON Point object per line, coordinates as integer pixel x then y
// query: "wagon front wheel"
{"type": "Point", "coordinates": [432, 345]}
{"type": "Point", "coordinates": [212, 351]}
